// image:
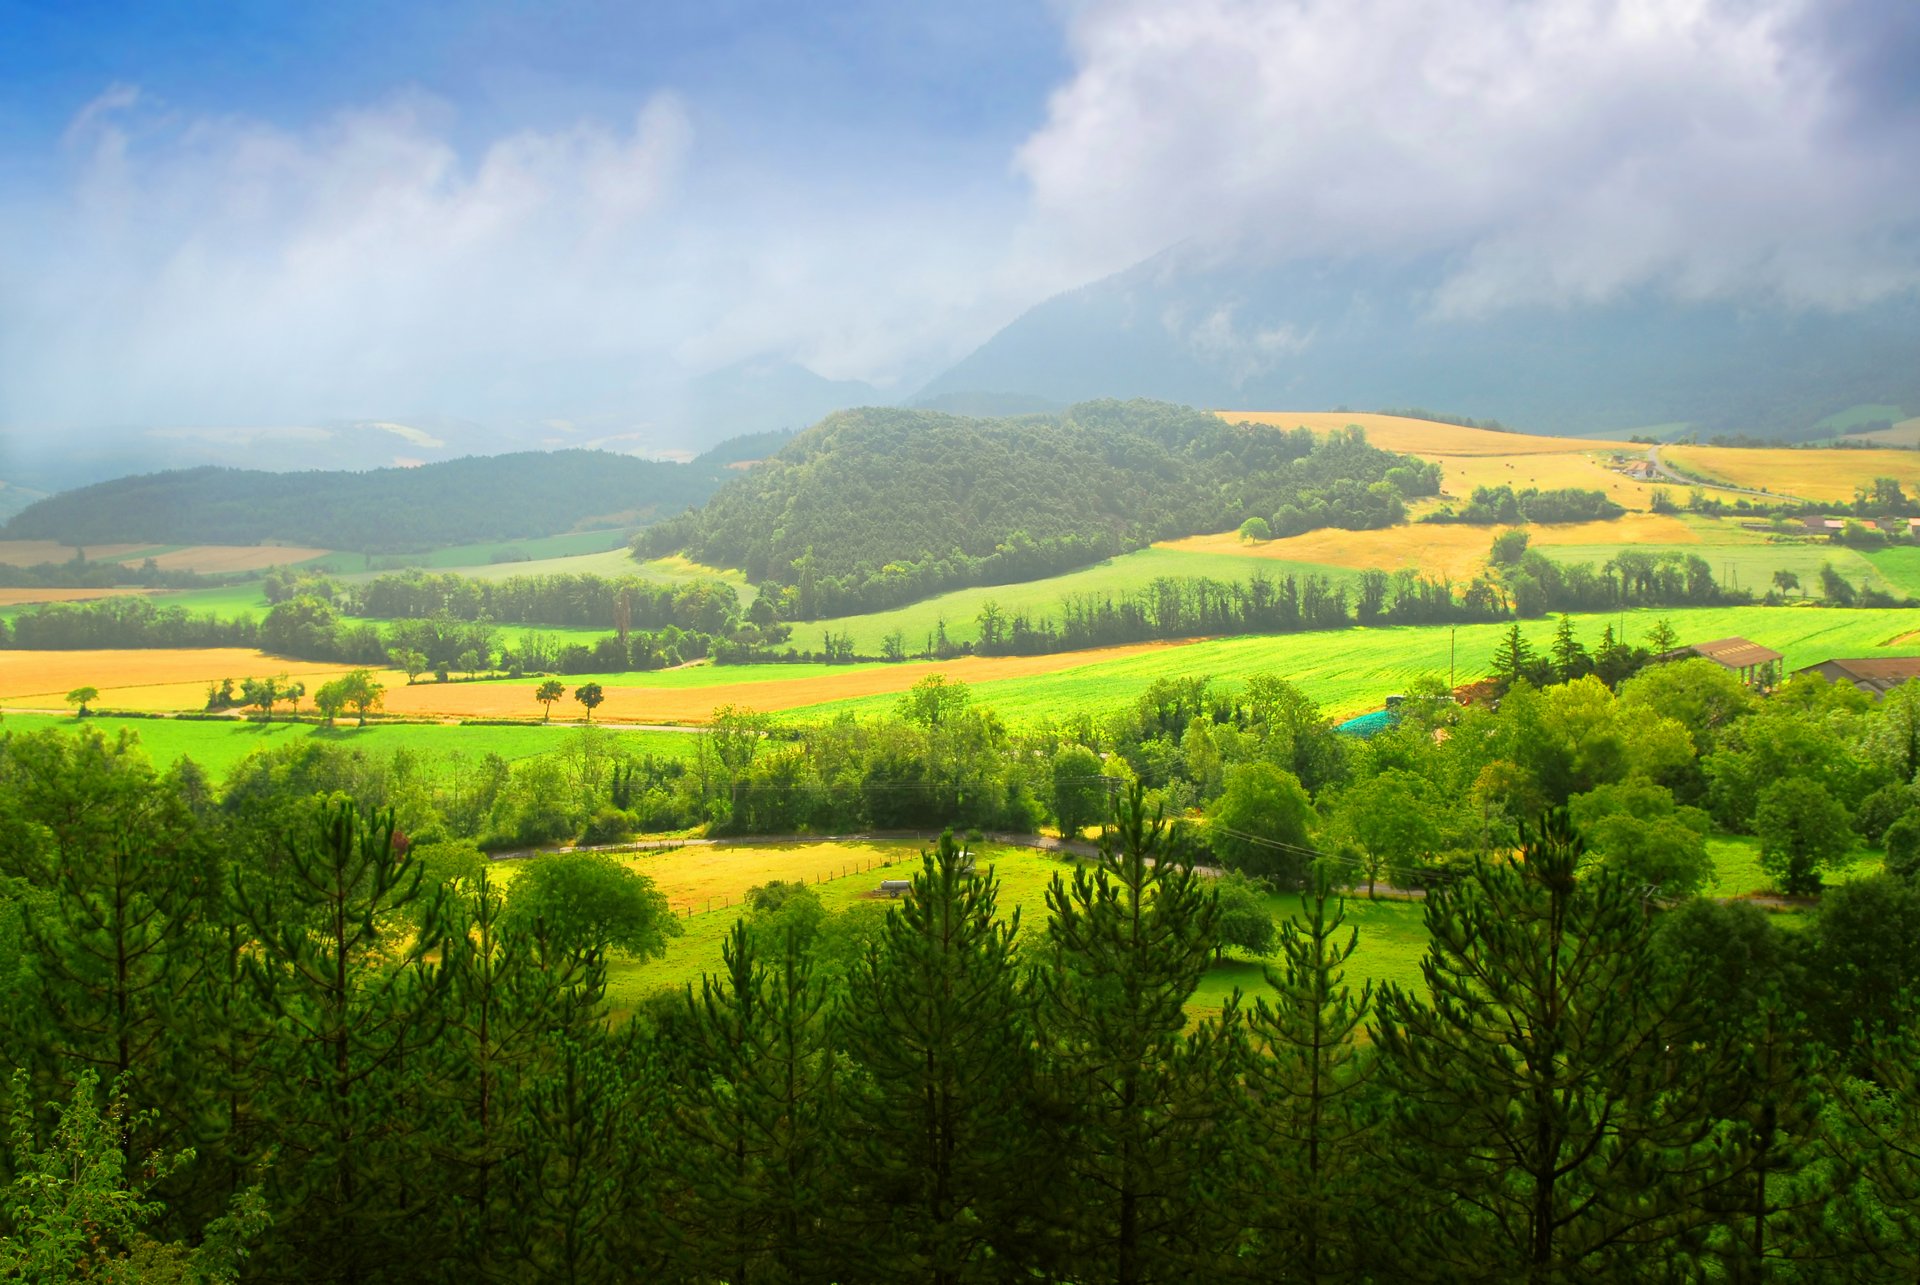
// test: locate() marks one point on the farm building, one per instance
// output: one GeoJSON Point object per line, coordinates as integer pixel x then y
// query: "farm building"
{"type": "Point", "coordinates": [1757, 666]}
{"type": "Point", "coordinates": [1874, 675]}
{"type": "Point", "coordinates": [1823, 526]}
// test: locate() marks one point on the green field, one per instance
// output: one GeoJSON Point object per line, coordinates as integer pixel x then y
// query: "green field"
{"type": "Point", "coordinates": [1899, 567]}
{"type": "Point", "coordinates": [1353, 669]}
{"type": "Point", "coordinates": [1129, 572]}
{"type": "Point", "coordinates": [217, 745]}
{"type": "Point", "coordinates": [1750, 566]}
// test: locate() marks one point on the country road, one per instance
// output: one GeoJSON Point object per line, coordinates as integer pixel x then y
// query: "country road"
{"type": "Point", "coordinates": [1668, 475]}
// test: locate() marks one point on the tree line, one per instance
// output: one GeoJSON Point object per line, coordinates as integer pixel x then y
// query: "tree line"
{"type": "Point", "coordinates": [269, 1034]}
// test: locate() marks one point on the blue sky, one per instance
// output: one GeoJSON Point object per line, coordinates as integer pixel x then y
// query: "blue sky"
{"type": "Point", "coordinates": [248, 215]}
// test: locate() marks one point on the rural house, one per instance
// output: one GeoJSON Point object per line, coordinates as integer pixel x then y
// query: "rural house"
{"type": "Point", "coordinates": [1874, 675]}
{"type": "Point", "coordinates": [1757, 666]}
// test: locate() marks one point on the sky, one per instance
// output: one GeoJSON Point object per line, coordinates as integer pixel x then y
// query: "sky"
{"type": "Point", "coordinates": [244, 214]}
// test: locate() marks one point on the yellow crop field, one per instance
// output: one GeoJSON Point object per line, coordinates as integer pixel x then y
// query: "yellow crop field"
{"type": "Point", "coordinates": [639, 702]}
{"type": "Point", "coordinates": [27, 597]}
{"type": "Point", "coordinates": [1828, 475]}
{"type": "Point", "coordinates": [142, 679]}
{"type": "Point", "coordinates": [1906, 433]}
{"type": "Point", "coordinates": [1456, 551]}
{"type": "Point", "coordinates": [1424, 437]}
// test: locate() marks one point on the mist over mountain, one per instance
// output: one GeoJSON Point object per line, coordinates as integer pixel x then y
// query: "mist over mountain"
{"type": "Point", "coordinates": [1373, 335]}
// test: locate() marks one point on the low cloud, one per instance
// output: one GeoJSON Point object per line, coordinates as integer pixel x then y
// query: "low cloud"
{"type": "Point", "coordinates": [1555, 151]}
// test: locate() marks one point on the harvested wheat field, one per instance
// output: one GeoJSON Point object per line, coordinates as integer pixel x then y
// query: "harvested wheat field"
{"type": "Point", "coordinates": [28, 597]}
{"type": "Point", "coordinates": [1828, 475]}
{"type": "Point", "coordinates": [630, 699]}
{"type": "Point", "coordinates": [1456, 551]}
{"type": "Point", "coordinates": [1424, 437]}
{"type": "Point", "coordinates": [158, 679]}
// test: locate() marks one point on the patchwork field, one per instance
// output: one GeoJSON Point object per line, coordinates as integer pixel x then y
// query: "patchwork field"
{"type": "Point", "coordinates": [1906, 433]}
{"type": "Point", "coordinates": [1826, 475]}
{"type": "Point", "coordinates": [1346, 670]}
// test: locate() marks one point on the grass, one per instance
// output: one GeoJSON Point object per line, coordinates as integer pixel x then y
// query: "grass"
{"type": "Point", "coordinates": [1737, 872]}
{"type": "Point", "coordinates": [1350, 670]}
{"type": "Point", "coordinates": [567, 545]}
{"type": "Point", "coordinates": [217, 745]}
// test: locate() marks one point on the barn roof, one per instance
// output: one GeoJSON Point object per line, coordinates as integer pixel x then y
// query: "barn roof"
{"type": "Point", "coordinates": [1876, 674]}
{"type": "Point", "coordinates": [1734, 653]}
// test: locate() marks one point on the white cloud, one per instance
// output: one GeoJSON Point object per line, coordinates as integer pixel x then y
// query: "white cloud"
{"type": "Point", "coordinates": [1559, 150]}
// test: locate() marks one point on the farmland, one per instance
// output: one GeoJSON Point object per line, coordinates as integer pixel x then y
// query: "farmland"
{"type": "Point", "coordinates": [1823, 475]}
{"type": "Point", "coordinates": [1346, 670]}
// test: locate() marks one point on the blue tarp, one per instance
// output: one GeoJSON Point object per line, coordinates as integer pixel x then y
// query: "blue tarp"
{"type": "Point", "coordinates": [1368, 724]}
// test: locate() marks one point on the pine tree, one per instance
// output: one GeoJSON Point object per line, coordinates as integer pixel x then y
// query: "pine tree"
{"type": "Point", "coordinates": [1541, 1106]}
{"type": "Point", "coordinates": [1570, 659]}
{"type": "Point", "coordinates": [341, 968]}
{"type": "Point", "coordinates": [1146, 1106]}
{"type": "Point", "coordinates": [579, 1156]}
{"type": "Point", "coordinates": [1872, 1135]}
{"type": "Point", "coordinates": [506, 1003]}
{"type": "Point", "coordinates": [1306, 1085]}
{"type": "Point", "coordinates": [758, 1113]}
{"type": "Point", "coordinates": [1514, 659]}
{"type": "Point", "coordinates": [936, 1150]}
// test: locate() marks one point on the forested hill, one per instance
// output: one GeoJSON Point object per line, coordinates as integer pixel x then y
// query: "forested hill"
{"type": "Point", "coordinates": [876, 507]}
{"type": "Point", "coordinates": [393, 510]}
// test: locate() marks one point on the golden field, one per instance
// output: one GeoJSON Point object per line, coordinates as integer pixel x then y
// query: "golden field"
{"type": "Point", "coordinates": [1826, 475]}
{"type": "Point", "coordinates": [144, 679]}
{"type": "Point", "coordinates": [1456, 551]}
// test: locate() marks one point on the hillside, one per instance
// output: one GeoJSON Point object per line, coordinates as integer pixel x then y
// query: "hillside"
{"type": "Point", "coordinates": [381, 511]}
{"type": "Point", "coordinates": [873, 507]}
{"type": "Point", "coordinates": [1369, 335]}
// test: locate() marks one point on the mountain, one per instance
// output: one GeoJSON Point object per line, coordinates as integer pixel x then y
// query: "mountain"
{"type": "Point", "coordinates": [391, 510]}
{"type": "Point", "coordinates": [765, 395]}
{"type": "Point", "coordinates": [1368, 336]}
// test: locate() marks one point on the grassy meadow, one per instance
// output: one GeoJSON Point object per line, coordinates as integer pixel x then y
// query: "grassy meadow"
{"type": "Point", "coordinates": [219, 744]}
{"type": "Point", "coordinates": [1825, 475]}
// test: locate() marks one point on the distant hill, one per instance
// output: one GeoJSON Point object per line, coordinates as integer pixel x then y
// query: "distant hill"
{"type": "Point", "coordinates": [391, 510]}
{"type": "Point", "coordinates": [875, 507]}
{"type": "Point", "coordinates": [765, 395]}
{"type": "Point", "coordinates": [1367, 336]}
